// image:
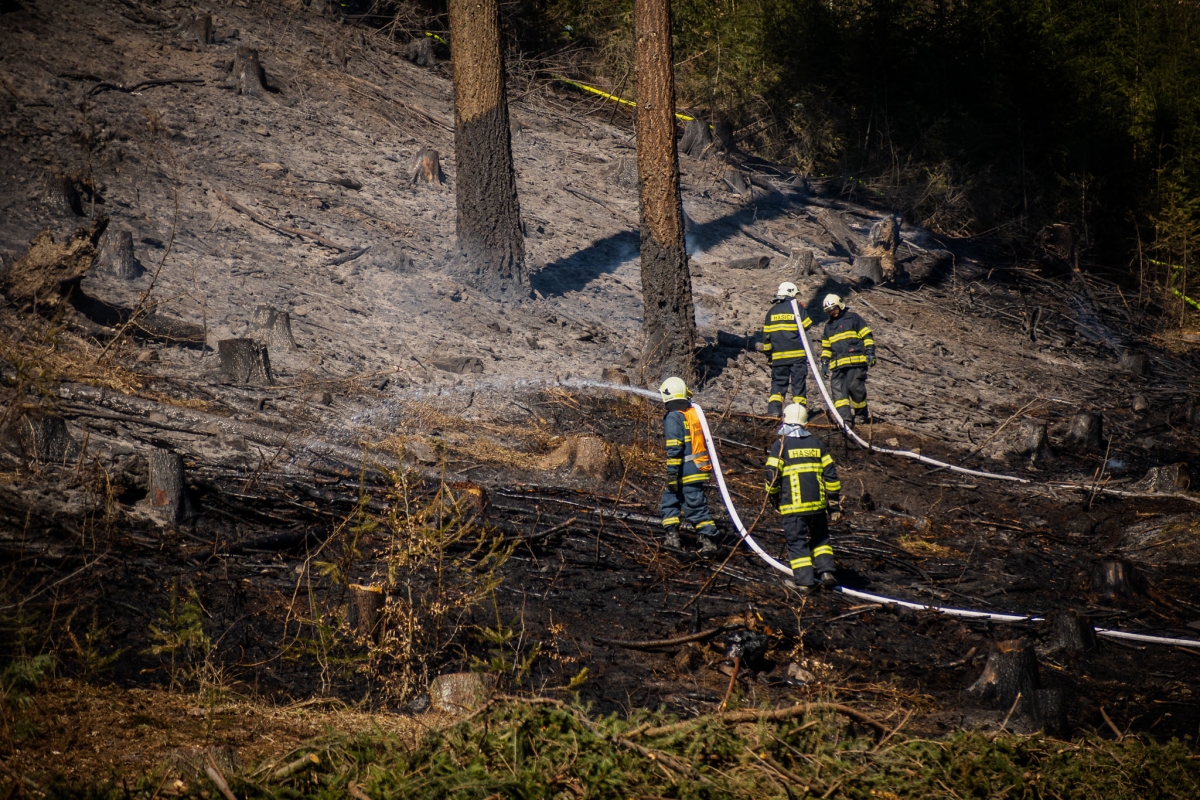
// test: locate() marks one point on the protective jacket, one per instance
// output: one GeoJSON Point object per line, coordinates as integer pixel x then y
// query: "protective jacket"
{"type": "Point", "coordinates": [801, 475]}
{"type": "Point", "coordinates": [687, 452]}
{"type": "Point", "coordinates": [847, 342]}
{"type": "Point", "coordinates": [781, 335]}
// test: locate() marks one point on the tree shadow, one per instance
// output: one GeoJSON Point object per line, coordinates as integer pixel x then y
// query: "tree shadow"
{"type": "Point", "coordinates": [574, 272]}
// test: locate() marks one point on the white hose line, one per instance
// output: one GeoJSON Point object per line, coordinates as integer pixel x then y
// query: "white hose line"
{"type": "Point", "coordinates": [991, 616]}
{"type": "Point", "coordinates": [841, 423]}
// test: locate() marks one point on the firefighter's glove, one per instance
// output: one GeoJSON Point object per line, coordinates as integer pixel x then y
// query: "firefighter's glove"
{"type": "Point", "coordinates": [871, 361]}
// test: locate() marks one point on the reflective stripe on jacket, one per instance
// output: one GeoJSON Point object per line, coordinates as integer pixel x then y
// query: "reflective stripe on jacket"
{"type": "Point", "coordinates": [687, 452]}
{"type": "Point", "coordinates": [781, 335]}
{"type": "Point", "coordinates": [847, 342]}
{"type": "Point", "coordinates": [801, 472]}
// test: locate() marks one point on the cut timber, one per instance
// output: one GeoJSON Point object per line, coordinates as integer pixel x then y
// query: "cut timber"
{"type": "Point", "coordinates": [248, 76]}
{"type": "Point", "coordinates": [45, 439]}
{"type": "Point", "coordinates": [245, 362]}
{"type": "Point", "coordinates": [420, 52]}
{"type": "Point", "coordinates": [167, 495]}
{"type": "Point", "coordinates": [427, 168]}
{"type": "Point", "coordinates": [1070, 632]}
{"type": "Point", "coordinates": [800, 264]}
{"type": "Point", "coordinates": [61, 196]}
{"type": "Point", "coordinates": [1112, 580]}
{"type": "Point", "coordinates": [841, 234]}
{"type": "Point", "coordinates": [882, 241]}
{"type": "Point", "coordinates": [196, 28]}
{"type": "Point", "coordinates": [1086, 431]}
{"type": "Point", "coordinates": [869, 268]}
{"type": "Point", "coordinates": [1135, 364]}
{"type": "Point", "coordinates": [365, 614]}
{"type": "Point", "coordinates": [696, 139]}
{"type": "Point", "coordinates": [116, 256]}
{"type": "Point", "coordinates": [274, 328]}
{"type": "Point", "coordinates": [753, 262]}
{"type": "Point", "coordinates": [736, 180]}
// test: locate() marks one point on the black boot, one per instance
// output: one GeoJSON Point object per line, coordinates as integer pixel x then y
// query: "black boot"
{"type": "Point", "coordinates": [708, 548]}
{"type": "Point", "coordinates": [775, 409]}
{"type": "Point", "coordinates": [671, 537]}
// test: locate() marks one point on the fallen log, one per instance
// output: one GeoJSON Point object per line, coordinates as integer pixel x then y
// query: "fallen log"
{"type": "Point", "coordinates": [652, 644]}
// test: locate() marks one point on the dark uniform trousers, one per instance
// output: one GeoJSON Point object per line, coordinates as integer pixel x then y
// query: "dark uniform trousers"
{"type": "Point", "coordinates": [849, 385]}
{"type": "Point", "coordinates": [808, 546]}
{"type": "Point", "coordinates": [687, 502]}
{"type": "Point", "coordinates": [795, 373]}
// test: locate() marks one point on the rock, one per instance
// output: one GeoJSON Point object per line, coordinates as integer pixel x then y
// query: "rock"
{"type": "Point", "coordinates": [459, 365]}
{"type": "Point", "coordinates": [460, 692]}
{"type": "Point", "coordinates": [799, 674]}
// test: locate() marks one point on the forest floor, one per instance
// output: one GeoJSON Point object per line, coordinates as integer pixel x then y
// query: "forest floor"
{"type": "Point", "coordinates": [368, 453]}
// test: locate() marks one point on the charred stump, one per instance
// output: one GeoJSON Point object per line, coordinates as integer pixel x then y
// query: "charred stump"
{"type": "Point", "coordinates": [61, 197]}
{"type": "Point", "coordinates": [245, 362]}
{"type": "Point", "coordinates": [1168, 479]}
{"type": "Point", "coordinates": [722, 134]}
{"type": "Point", "coordinates": [1086, 431]}
{"type": "Point", "coordinates": [837, 229]}
{"type": "Point", "coordinates": [882, 241]}
{"type": "Point", "coordinates": [427, 167]}
{"type": "Point", "coordinates": [1070, 632]}
{"type": "Point", "coordinates": [736, 180]}
{"type": "Point", "coordinates": [248, 76]}
{"type": "Point", "coordinates": [696, 139]}
{"type": "Point", "coordinates": [1029, 439]}
{"type": "Point", "coordinates": [801, 264]}
{"type": "Point", "coordinates": [1116, 579]}
{"type": "Point", "coordinates": [168, 491]}
{"type": "Point", "coordinates": [1139, 404]}
{"type": "Point", "coordinates": [45, 439]}
{"type": "Point", "coordinates": [116, 256]}
{"type": "Point", "coordinates": [869, 268]}
{"type": "Point", "coordinates": [365, 613]}
{"type": "Point", "coordinates": [1010, 679]}
{"type": "Point", "coordinates": [1135, 364]}
{"type": "Point", "coordinates": [275, 328]}
{"type": "Point", "coordinates": [196, 28]}
{"type": "Point", "coordinates": [420, 52]}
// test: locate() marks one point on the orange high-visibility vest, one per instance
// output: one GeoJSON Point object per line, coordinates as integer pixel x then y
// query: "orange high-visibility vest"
{"type": "Point", "coordinates": [699, 454]}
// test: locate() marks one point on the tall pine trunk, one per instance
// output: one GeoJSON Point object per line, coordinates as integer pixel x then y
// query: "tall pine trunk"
{"type": "Point", "coordinates": [669, 322]}
{"type": "Point", "coordinates": [491, 247]}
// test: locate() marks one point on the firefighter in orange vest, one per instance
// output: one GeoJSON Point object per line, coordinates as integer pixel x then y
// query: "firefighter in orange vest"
{"type": "Point", "coordinates": [688, 469]}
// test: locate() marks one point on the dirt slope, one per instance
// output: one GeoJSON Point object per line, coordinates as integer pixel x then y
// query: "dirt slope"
{"type": "Point", "coordinates": [957, 361]}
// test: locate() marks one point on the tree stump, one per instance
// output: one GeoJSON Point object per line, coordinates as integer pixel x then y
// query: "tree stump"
{"type": "Point", "coordinates": [1070, 632]}
{"type": "Point", "coordinates": [275, 328]}
{"type": "Point", "coordinates": [1169, 479]}
{"type": "Point", "coordinates": [1011, 670]}
{"type": "Point", "coordinates": [168, 492]}
{"type": "Point", "coordinates": [116, 255]}
{"type": "Point", "coordinates": [46, 440]}
{"type": "Point", "coordinates": [722, 134]}
{"type": "Point", "coordinates": [420, 52]}
{"type": "Point", "coordinates": [1135, 364]}
{"type": "Point", "coordinates": [249, 77]}
{"type": "Point", "coordinates": [869, 268]}
{"type": "Point", "coordinates": [801, 263]}
{"type": "Point", "coordinates": [615, 376]}
{"type": "Point", "coordinates": [196, 28]}
{"type": "Point", "coordinates": [841, 234]}
{"type": "Point", "coordinates": [753, 262]}
{"type": "Point", "coordinates": [365, 614]}
{"type": "Point", "coordinates": [459, 365]}
{"type": "Point", "coordinates": [1113, 580]}
{"type": "Point", "coordinates": [245, 362]}
{"type": "Point", "coordinates": [1086, 431]}
{"type": "Point", "coordinates": [427, 167]}
{"type": "Point", "coordinates": [736, 180]}
{"type": "Point", "coordinates": [1029, 438]}
{"type": "Point", "coordinates": [882, 240]}
{"type": "Point", "coordinates": [61, 196]}
{"type": "Point", "coordinates": [696, 139]}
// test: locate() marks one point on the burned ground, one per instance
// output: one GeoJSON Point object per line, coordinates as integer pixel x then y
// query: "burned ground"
{"type": "Point", "coordinates": [380, 429]}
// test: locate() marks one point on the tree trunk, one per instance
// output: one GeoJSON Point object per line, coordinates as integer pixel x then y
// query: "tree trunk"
{"type": "Point", "coordinates": [167, 495]}
{"type": "Point", "coordinates": [669, 318]}
{"type": "Point", "coordinates": [116, 255]}
{"type": "Point", "coordinates": [696, 138]}
{"type": "Point", "coordinates": [249, 77]}
{"type": "Point", "coordinates": [275, 328]}
{"type": "Point", "coordinates": [244, 362]}
{"type": "Point", "coordinates": [491, 246]}
{"type": "Point", "coordinates": [1070, 632]}
{"type": "Point", "coordinates": [427, 168]}
{"type": "Point", "coordinates": [366, 610]}
{"type": "Point", "coordinates": [1086, 432]}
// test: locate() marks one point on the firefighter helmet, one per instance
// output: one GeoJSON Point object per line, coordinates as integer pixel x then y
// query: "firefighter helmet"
{"type": "Point", "coordinates": [833, 301]}
{"type": "Point", "coordinates": [787, 289]}
{"type": "Point", "coordinates": [795, 414]}
{"type": "Point", "coordinates": [674, 389]}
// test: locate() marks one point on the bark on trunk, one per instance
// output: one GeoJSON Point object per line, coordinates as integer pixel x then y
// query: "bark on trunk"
{"type": "Point", "coordinates": [167, 496]}
{"type": "Point", "coordinates": [116, 255]}
{"type": "Point", "coordinates": [669, 322]}
{"type": "Point", "coordinates": [491, 245]}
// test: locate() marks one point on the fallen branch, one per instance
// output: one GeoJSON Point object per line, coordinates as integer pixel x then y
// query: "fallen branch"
{"type": "Point", "coordinates": [735, 717]}
{"type": "Point", "coordinates": [282, 229]}
{"type": "Point", "coordinates": [217, 778]}
{"type": "Point", "coordinates": [346, 258]}
{"type": "Point", "coordinates": [105, 86]}
{"type": "Point", "coordinates": [303, 762]}
{"type": "Point", "coordinates": [651, 644]}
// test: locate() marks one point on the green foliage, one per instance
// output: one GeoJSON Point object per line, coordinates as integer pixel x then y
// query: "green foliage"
{"type": "Point", "coordinates": [17, 683]}
{"type": "Point", "coordinates": [180, 637]}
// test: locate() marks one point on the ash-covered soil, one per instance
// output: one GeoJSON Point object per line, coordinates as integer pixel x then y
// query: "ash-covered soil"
{"type": "Point", "coordinates": [282, 477]}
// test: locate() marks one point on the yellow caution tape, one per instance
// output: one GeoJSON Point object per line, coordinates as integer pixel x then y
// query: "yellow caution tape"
{"type": "Point", "coordinates": [435, 36]}
{"type": "Point", "coordinates": [608, 96]}
{"type": "Point", "coordinates": [1186, 299]}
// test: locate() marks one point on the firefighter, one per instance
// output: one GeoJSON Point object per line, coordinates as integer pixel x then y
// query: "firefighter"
{"type": "Point", "coordinates": [803, 485]}
{"type": "Point", "coordinates": [688, 469]}
{"type": "Point", "coordinates": [847, 351]}
{"type": "Point", "coordinates": [781, 343]}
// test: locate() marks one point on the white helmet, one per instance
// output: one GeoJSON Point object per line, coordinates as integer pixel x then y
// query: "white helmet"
{"type": "Point", "coordinates": [832, 301]}
{"type": "Point", "coordinates": [787, 289]}
{"type": "Point", "coordinates": [674, 389]}
{"type": "Point", "coordinates": [795, 414]}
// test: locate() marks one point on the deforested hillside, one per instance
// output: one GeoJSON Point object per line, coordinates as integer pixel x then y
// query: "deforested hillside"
{"type": "Point", "coordinates": [270, 471]}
